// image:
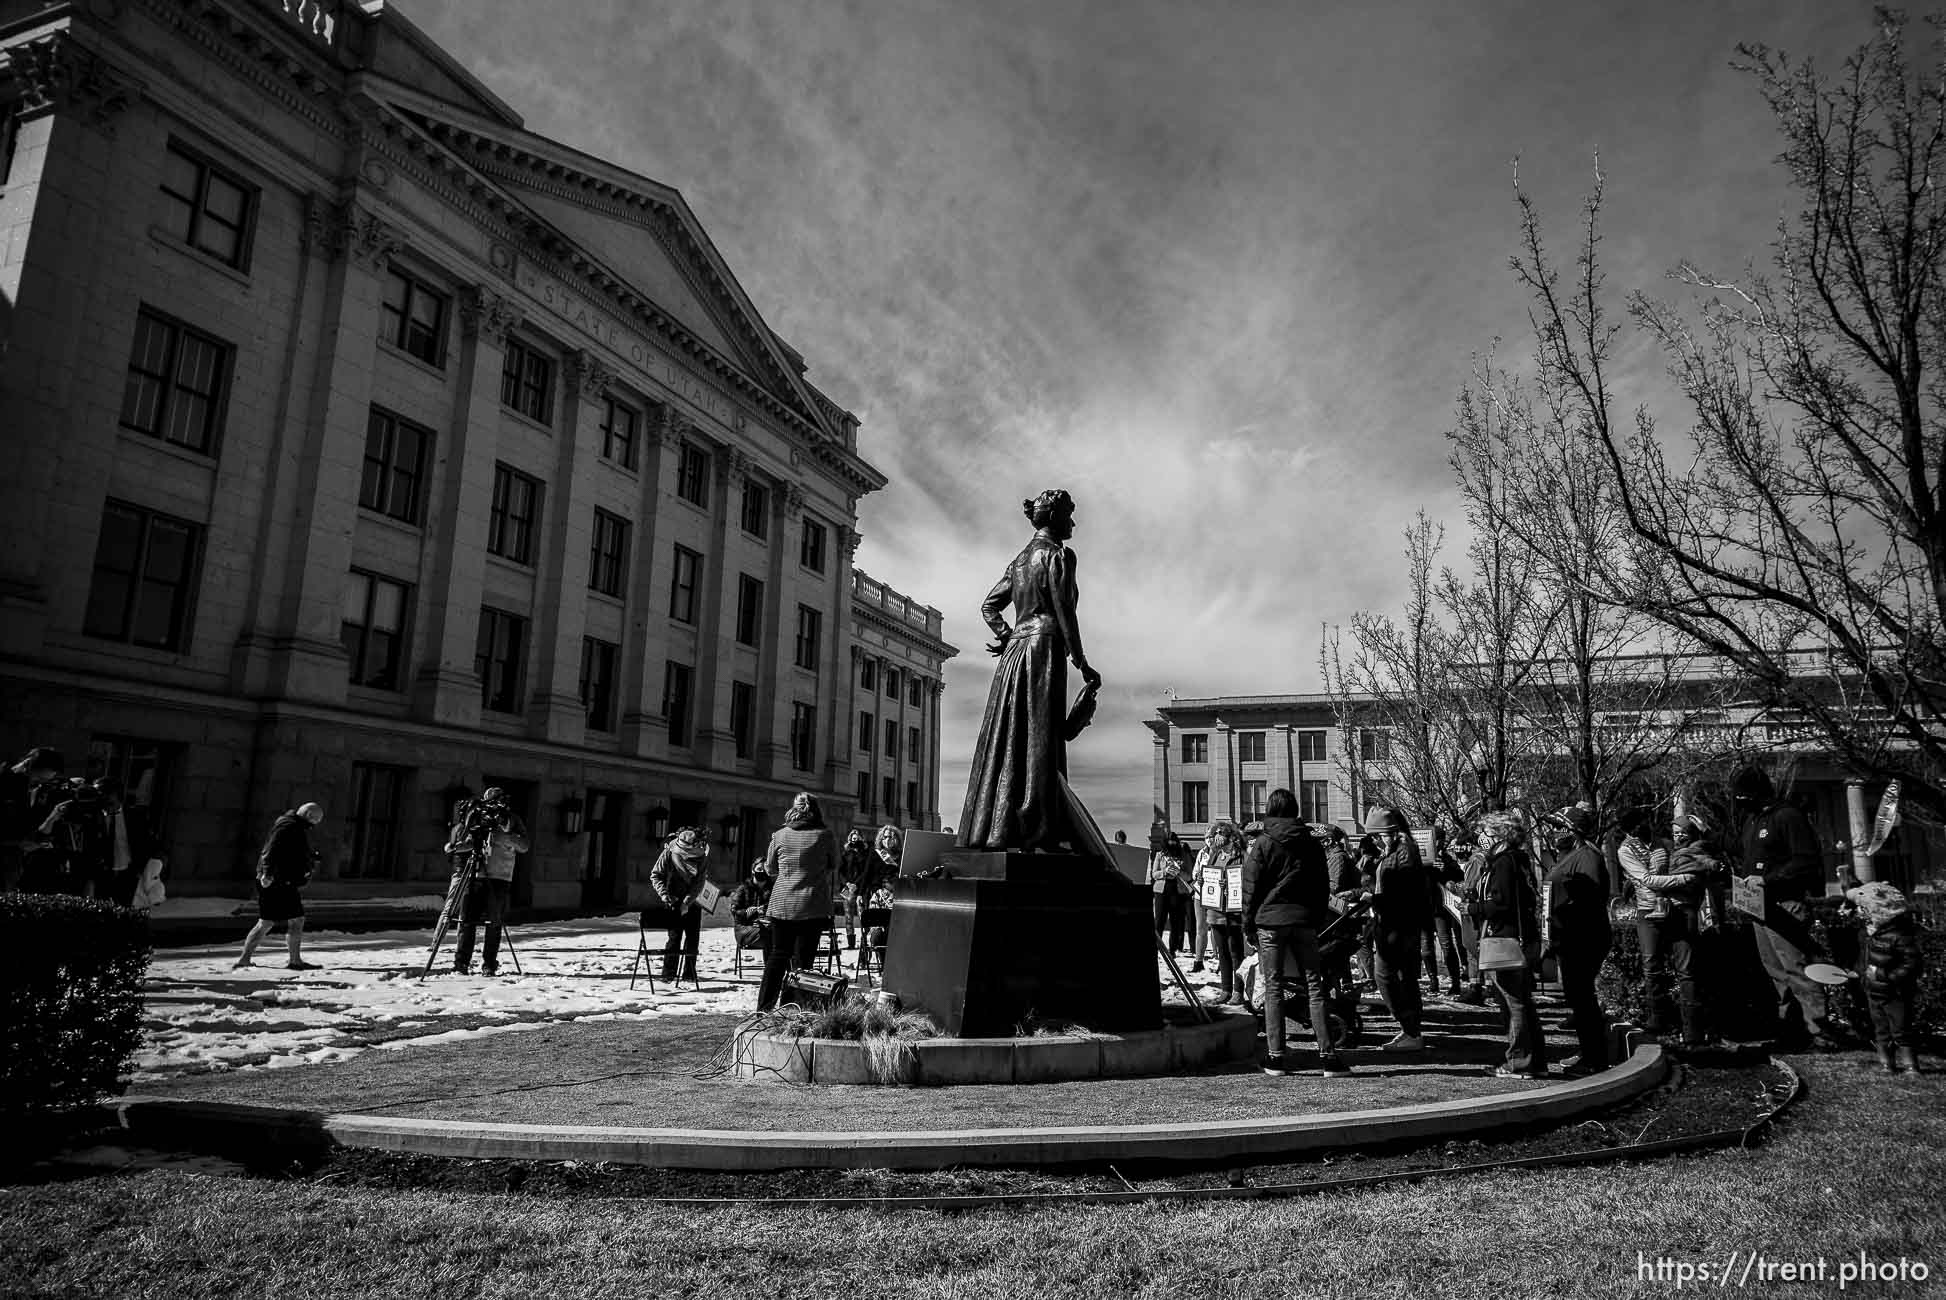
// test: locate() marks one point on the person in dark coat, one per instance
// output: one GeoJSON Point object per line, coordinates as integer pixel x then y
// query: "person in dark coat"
{"type": "Point", "coordinates": [1402, 898]}
{"type": "Point", "coordinates": [130, 841]}
{"type": "Point", "coordinates": [1780, 847]}
{"type": "Point", "coordinates": [803, 863]}
{"type": "Point", "coordinates": [1890, 964]}
{"type": "Point", "coordinates": [30, 788]}
{"type": "Point", "coordinates": [1286, 901]}
{"type": "Point", "coordinates": [1579, 933]}
{"type": "Point", "coordinates": [748, 902]}
{"type": "Point", "coordinates": [283, 867]}
{"type": "Point", "coordinates": [1013, 793]}
{"type": "Point", "coordinates": [1509, 910]}
{"type": "Point", "coordinates": [680, 872]}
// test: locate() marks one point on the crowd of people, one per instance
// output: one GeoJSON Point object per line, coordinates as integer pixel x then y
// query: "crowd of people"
{"type": "Point", "coordinates": [1501, 901]}
{"type": "Point", "coordinates": [78, 835]}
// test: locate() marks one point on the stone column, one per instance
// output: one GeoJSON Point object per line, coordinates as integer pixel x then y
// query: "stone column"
{"type": "Point", "coordinates": [638, 686]}
{"type": "Point", "coordinates": [298, 645]}
{"type": "Point", "coordinates": [1162, 810]}
{"type": "Point", "coordinates": [938, 695]}
{"type": "Point", "coordinates": [51, 224]}
{"type": "Point", "coordinates": [1284, 770]}
{"type": "Point", "coordinates": [448, 689]}
{"type": "Point", "coordinates": [554, 709]}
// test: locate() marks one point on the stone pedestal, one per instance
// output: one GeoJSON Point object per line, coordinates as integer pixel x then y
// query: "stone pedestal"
{"type": "Point", "coordinates": [1006, 937]}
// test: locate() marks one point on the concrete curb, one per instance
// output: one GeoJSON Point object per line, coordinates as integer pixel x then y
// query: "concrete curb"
{"type": "Point", "coordinates": [1228, 1036]}
{"type": "Point", "coordinates": [229, 1126]}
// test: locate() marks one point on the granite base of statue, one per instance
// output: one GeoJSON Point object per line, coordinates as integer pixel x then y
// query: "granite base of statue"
{"type": "Point", "coordinates": [998, 940]}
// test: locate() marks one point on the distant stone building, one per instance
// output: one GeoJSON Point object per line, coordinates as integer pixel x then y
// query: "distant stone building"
{"type": "Point", "coordinates": [1220, 757]}
{"type": "Point", "coordinates": [897, 662]}
{"type": "Point", "coordinates": [366, 447]}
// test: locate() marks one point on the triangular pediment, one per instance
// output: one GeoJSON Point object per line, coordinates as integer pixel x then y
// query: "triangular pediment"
{"type": "Point", "coordinates": [630, 247]}
{"type": "Point", "coordinates": [635, 236]}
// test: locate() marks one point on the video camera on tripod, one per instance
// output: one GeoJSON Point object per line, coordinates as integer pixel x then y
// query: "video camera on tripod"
{"type": "Point", "coordinates": [477, 819]}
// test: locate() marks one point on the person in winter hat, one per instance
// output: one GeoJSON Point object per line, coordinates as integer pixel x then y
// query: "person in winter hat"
{"type": "Point", "coordinates": [1890, 963]}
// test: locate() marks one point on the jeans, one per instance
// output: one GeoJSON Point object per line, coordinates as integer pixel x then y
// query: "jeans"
{"type": "Point", "coordinates": [1198, 929]}
{"type": "Point", "coordinates": [788, 946]}
{"type": "Point", "coordinates": [1227, 937]}
{"type": "Point", "coordinates": [1669, 954]}
{"type": "Point", "coordinates": [1169, 911]}
{"type": "Point", "coordinates": [1440, 940]}
{"type": "Point", "coordinates": [685, 933]}
{"type": "Point", "coordinates": [1526, 1049]}
{"type": "Point", "coordinates": [1783, 944]}
{"type": "Point", "coordinates": [1289, 969]}
{"type": "Point", "coordinates": [1891, 1007]}
{"type": "Point", "coordinates": [1397, 954]}
{"type": "Point", "coordinates": [1579, 961]}
{"type": "Point", "coordinates": [486, 899]}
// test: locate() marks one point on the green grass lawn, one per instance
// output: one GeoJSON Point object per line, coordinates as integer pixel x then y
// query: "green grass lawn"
{"type": "Point", "coordinates": [1860, 1166]}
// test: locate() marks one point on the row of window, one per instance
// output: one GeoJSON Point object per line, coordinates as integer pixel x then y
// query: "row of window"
{"type": "Point", "coordinates": [1374, 746]}
{"type": "Point", "coordinates": [1313, 798]}
{"type": "Point", "coordinates": [868, 679]}
{"type": "Point", "coordinates": [888, 805]}
{"type": "Point", "coordinates": [913, 746]}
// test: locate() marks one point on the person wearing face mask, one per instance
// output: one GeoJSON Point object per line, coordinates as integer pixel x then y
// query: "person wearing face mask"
{"type": "Point", "coordinates": [803, 861]}
{"type": "Point", "coordinates": [1510, 911]}
{"type": "Point", "coordinates": [854, 871]}
{"type": "Point", "coordinates": [679, 874]}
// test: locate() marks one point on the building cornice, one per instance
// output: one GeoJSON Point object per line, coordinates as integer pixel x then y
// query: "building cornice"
{"type": "Point", "coordinates": [884, 622]}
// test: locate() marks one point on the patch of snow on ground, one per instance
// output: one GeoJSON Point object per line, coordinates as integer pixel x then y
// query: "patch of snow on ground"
{"type": "Point", "coordinates": [203, 1015]}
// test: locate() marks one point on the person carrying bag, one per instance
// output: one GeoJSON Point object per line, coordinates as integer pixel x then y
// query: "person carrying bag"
{"type": "Point", "coordinates": [1510, 941]}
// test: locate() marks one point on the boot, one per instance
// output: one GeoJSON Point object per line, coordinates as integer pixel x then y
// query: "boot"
{"type": "Point", "coordinates": [1908, 1058]}
{"type": "Point", "coordinates": [490, 960]}
{"type": "Point", "coordinates": [1886, 1060]}
{"type": "Point", "coordinates": [463, 951]}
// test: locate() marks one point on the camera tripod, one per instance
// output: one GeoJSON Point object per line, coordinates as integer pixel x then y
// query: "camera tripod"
{"type": "Point", "coordinates": [455, 907]}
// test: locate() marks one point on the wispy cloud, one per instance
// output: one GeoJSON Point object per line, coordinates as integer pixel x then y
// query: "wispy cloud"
{"type": "Point", "coordinates": [1216, 268]}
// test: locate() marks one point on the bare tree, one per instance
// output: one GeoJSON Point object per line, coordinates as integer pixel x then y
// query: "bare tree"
{"type": "Point", "coordinates": [1610, 700]}
{"type": "Point", "coordinates": [1425, 704]}
{"type": "Point", "coordinates": [1804, 542]}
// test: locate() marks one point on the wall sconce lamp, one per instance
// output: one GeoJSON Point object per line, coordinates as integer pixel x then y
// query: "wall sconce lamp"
{"type": "Point", "coordinates": [657, 822]}
{"type": "Point", "coordinates": [732, 825]}
{"type": "Point", "coordinates": [572, 810]}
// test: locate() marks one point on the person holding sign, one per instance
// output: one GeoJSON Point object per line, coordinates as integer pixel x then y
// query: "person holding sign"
{"type": "Point", "coordinates": [680, 877]}
{"type": "Point", "coordinates": [1780, 854]}
{"type": "Point", "coordinates": [1219, 888]}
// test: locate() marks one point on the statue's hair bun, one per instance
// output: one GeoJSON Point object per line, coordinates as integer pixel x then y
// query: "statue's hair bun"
{"type": "Point", "coordinates": [1027, 508]}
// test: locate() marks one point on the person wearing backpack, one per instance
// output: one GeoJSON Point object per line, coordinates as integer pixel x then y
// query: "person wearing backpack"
{"type": "Point", "coordinates": [1286, 901]}
{"type": "Point", "coordinates": [284, 866]}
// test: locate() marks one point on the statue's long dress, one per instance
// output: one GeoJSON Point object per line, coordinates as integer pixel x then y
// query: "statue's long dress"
{"type": "Point", "coordinates": [1013, 795]}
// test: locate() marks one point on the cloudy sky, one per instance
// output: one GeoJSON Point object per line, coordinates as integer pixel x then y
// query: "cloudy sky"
{"type": "Point", "coordinates": [1218, 268]}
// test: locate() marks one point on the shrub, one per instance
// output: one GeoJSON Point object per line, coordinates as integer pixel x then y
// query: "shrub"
{"type": "Point", "coordinates": [70, 1000]}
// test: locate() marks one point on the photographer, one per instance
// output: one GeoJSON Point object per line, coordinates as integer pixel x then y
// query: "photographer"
{"type": "Point", "coordinates": [78, 831]}
{"type": "Point", "coordinates": [678, 874]}
{"type": "Point", "coordinates": [487, 831]}
{"type": "Point", "coordinates": [283, 867]}
{"type": "Point", "coordinates": [29, 790]}
{"type": "Point", "coordinates": [131, 841]}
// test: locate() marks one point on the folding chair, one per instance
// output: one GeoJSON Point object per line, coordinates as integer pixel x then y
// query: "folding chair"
{"type": "Point", "coordinates": [756, 955]}
{"type": "Point", "coordinates": [652, 919]}
{"type": "Point", "coordinates": [832, 960]}
{"type": "Point", "coordinates": [871, 958]}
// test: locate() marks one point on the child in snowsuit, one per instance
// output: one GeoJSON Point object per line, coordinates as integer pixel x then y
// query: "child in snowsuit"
{"type": "Point", "coordinates": [1891, 964]}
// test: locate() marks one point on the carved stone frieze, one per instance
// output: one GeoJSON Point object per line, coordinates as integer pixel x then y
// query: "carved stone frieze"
{"type": "Point", "coordinates": [793, 499]}
{"type": "Point", "coordinates": [736, 465]}
{"type": "Point", "coordinates": [58, 74]}
{"type": "Point", "coordinates": [486, 314]}
{"type": "Point", "coordinates": [589, 373]}
{"type": "Point", "coordinates": [334, 229]}
{"type": "Point", "coordinates": [848, 539]}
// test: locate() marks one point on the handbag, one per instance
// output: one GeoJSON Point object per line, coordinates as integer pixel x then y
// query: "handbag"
{"type": "Point", "coordinates": [1502, 953]}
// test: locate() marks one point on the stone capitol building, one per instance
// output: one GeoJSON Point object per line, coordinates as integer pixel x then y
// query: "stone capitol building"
{"type": "Point", "coordinates": [368, 448]}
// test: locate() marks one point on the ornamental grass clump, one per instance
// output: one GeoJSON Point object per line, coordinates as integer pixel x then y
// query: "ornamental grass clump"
{"type": "Point", "coordinates": [886, 1035]}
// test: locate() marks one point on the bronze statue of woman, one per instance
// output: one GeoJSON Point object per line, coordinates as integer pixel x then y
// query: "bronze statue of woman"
{"type": "Point", "coordinates": [1013, 796]}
